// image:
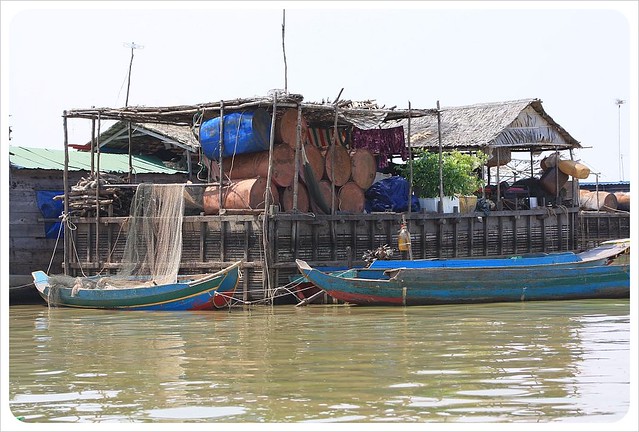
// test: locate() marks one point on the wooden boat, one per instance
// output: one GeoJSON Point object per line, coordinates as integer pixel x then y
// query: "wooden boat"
{"type": "Point", "coordinates": [212, 291]}
{"type": "Point", "coordinates": [587, 278]}
{"type": "Point", "coordinates": [599, 255]}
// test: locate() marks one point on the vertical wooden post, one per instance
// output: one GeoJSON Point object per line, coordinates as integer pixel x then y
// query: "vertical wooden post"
{"type": "Point", "coordinates": [440, 205]}
{"type": "Point", "coordinates": [222, 238]}
{"type": "Point", "coordinates": [471, 235]}
{"type": "Point", "coordinates": [335, 141]}
{"type": "Point", "coordinates": [557, 175]}
{"type": "Point", "coordinates": [410, 164]}
{"type": "Point", "coordinates": [485, 228]}
{"type": "Point", "coordinates": [203, 228]}
{"type": "Point", "coordinates": [560, 230]}
{"type": "Point", "coordinates": [97, 197]}
{"type": "Point", "coordinates": [245, 276]}
{"type": "Point", "coordinates": [371, 234]}
{"type": "Point", "coordinates": [529, 237]}
{"type": "Point", "coordinates": [499, 202]}
{"type": "Point", "coordinates": [130, 150]}
{"type": "Point", "coordinates": [532, 171]}
{"type": "Point", "coordinates": [333, 206]}
{"type": "Point", "coordinates": [92, 146]}
{"type": "Point", "coordinates": [455, 238]}
{"type": "Point", "coordinates": [266, 235]}
{"type": "Point", "coordinates": [298, 143]}
{"type": "Point", "coordinates": [221, 149]}
{"type": "Point", "coordinates": [500, 221]}
{"type": "Point", "coordinates": [515, 236]}
{"type": "Point", "coordinates": [65, 180]}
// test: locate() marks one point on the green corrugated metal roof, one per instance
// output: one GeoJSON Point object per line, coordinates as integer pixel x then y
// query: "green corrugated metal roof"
{"type": "Point", "coordinates": [39, 158]}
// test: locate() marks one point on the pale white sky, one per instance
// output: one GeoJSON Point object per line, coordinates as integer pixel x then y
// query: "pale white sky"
{"type": "Point", "coordinates": [578, 58]}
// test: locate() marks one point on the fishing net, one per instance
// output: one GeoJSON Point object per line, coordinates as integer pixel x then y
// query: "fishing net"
{"type": "Point", "coordinates": [154, 240]}
{"type": "Point", "coordinates": [153, 248]}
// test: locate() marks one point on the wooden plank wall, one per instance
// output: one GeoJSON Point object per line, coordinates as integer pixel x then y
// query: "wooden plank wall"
{"type": "Point", "coordinates": [29, 250]}
{"type": "Point", "coordinates": [597, 227]}
{"type": "Point", "coordinates": [213, 242]}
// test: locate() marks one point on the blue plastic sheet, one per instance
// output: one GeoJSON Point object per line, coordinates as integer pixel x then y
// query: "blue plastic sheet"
{"type": "Point", "coordinates": [50, 209]}
{"type": "Point", "coordinates": [390, 194]}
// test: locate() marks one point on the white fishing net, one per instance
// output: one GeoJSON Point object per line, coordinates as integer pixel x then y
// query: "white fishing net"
{"type": "Point", "coordinates": [154, 238]}
{"type": "Point", "coordinates": [153, 248]}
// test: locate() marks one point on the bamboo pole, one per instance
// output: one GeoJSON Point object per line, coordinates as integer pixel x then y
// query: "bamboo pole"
{"type": "Point", "coordinates": [65, 180]}
{"type": "Point", "coordinates": [440, 205]}
{"type": "Point", "coordinates": [298, 143]}
{"type": "Point", "coordinates": [267, 203]}
{"type": "Point", "coordinates": [532, 171]}
{"type": "Point", "coordinates": [499, 203]}
{"type": "Point", "coordinates": [333, 206]}
{"type": "Point", "coordinates": [92, 146]}
{"type": "Point", "coordinates": [557, 176]}
{"type": "Point", "coordinates": [284, 51]}
{"type": "Point", "coordinates": [220, 163]}
{"type": "Point", "coordinates": [410, 165]}
{"type": "Point", "coordinates": [130, 150]}
{"type": "Point", "coordinates": [333, 152]}
{"type": "Point", "coordinates": [97, 197]}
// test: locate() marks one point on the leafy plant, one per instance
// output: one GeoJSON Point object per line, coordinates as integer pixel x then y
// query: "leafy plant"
{"type": "Point", "coordinates": [458, 173]}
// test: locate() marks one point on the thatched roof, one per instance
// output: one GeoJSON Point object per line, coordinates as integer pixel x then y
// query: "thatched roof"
{"type": "Point", "coordinates": [521, 125]}
{"type": "Point", "coordinates": [163, 140]}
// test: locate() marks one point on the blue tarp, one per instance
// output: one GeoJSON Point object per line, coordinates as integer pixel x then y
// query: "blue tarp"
{"type": "Point", "coordinates": [390, 194]}
{"type": "Point", "coordinates": [50, 209]}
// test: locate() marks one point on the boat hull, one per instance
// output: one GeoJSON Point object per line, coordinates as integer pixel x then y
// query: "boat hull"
{"type": "Point", "coordinates": [408, 287]}
{"type": "Point", "coordinates": [600, 255]}
{"type": "Point", "coordinates": [210, 292]}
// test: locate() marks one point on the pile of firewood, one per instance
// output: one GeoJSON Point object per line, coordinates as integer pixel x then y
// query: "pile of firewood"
{"type": "Point", "coordinates": [111, 200]}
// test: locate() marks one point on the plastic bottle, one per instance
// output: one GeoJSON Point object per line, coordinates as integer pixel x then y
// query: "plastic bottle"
{"type": "Point", "coordinates": [403, 239]}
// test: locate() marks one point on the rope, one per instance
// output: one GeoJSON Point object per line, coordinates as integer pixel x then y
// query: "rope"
{"type": "Point", "coordinates": [23, 286]}
{"type": "Point", "coordinates": [64, 218]}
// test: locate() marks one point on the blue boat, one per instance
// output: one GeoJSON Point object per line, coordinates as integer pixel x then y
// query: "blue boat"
{"type": "Point", "coordinates": [208, 292]}
{"type": "Point", "coordinates": [606, 252]}
{"type": "Point", "coordinates": [586, 278]}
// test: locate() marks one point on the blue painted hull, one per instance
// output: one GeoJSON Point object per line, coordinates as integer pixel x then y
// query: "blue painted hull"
{"type": "Point", "coordinates": [207, 293]}
{"type": "Point", "coordinates": [428, 286]}
{"type": "Point", "coordinates": [596, 256]}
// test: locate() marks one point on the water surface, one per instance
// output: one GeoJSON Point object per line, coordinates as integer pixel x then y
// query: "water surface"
{"type": "Point", "coordinates": [537, 362]}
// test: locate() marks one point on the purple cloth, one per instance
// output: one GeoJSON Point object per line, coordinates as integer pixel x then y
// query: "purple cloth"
{"type": "Point", "coordinates": [382, 142]}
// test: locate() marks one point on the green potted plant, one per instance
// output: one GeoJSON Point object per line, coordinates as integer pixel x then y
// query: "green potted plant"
{"type": "Point", "coordinates": [458, 176]}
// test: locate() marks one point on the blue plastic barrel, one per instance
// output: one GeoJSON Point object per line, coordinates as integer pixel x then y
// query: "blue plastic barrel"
{"type": "Point", "coordinates": [244, 132]}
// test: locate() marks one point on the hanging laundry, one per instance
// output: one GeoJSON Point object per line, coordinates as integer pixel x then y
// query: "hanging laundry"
{"type": "Point", "coordinates": [382, 142]}
{"type": "Point", "coordinates": [323, 137]}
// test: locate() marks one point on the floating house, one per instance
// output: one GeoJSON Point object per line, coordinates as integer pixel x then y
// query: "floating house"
{"type": "Point", "coordinates": [273, 179]}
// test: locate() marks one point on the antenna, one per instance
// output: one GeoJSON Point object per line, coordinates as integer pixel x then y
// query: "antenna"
{"type": "Point", "coordinates": [284, 50]}
{"type": "Point", "coordinates": [133, 46]}
{"type": "Point", "coordinates": [620, 102]}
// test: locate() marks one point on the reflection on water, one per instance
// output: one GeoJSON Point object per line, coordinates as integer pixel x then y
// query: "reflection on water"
{"type": "Point", "coordinates": [518, 362]}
